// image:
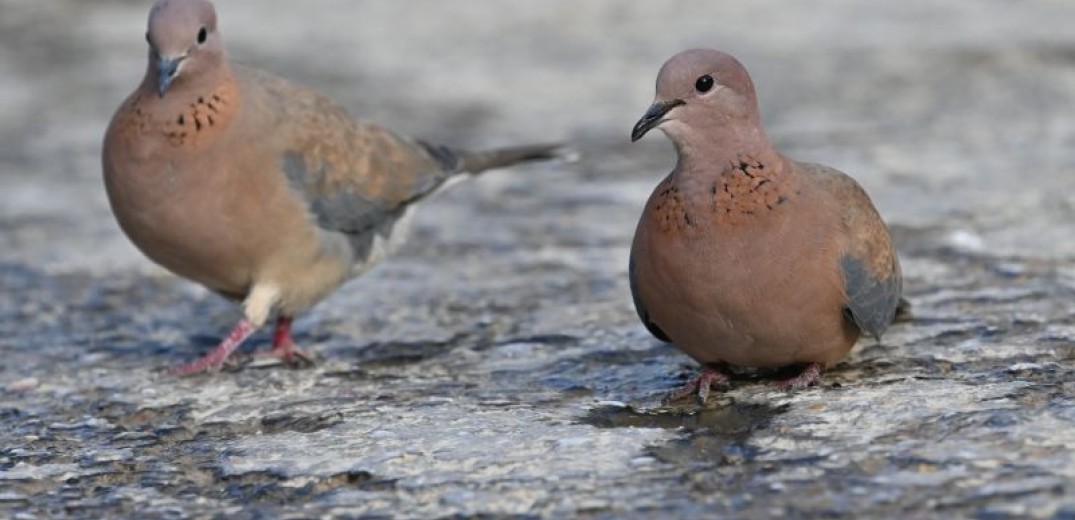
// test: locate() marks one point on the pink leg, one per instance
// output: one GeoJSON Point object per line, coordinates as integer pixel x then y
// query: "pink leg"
{"type": "Point", "coordinates": [283, 346]}
{"type": "Point", "coordinates": [712, 375]}
{"type": "Point", "coordinates": [215, 359]}
{"type": "Point", "coordinates": [811, 375]}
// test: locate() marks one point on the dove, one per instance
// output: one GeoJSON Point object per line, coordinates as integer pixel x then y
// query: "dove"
{"type": "Point", "coordinates": [263, 191]}
{"type": "Point", "coordinates": [743, 257]}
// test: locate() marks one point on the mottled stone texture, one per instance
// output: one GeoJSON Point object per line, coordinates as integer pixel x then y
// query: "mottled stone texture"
{"type": "Point", "coordinates": [496, 367]}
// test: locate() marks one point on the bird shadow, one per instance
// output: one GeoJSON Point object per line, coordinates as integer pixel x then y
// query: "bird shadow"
{"type": "Point", "coordinates": [717, 434]}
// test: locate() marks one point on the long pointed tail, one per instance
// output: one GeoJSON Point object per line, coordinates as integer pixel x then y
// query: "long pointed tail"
{"type": "Point", "coordinates": [477, 162]}
{"type": "Point", "coordinates": [452, 160]}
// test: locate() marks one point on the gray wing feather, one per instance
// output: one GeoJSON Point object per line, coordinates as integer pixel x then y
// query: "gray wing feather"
{"type": "Point", "coordinates": [872, 303]}
{"type": "Point", "coordinates": [362, 220]}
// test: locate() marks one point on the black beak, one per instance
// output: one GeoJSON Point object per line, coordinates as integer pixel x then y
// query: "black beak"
{"type": "Point", "coordinates": [653, 117]}
{"type": "Point", "coordinates": [167, 70]}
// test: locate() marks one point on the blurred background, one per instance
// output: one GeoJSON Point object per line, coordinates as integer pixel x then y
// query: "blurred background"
{"type": "Point", "coordinates": [508, 315]}
{"type": "Point", "coordinates": [952, 114]}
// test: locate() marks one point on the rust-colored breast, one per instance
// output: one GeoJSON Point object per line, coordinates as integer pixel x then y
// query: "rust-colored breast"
{"type": "Point", "coordinates": [748, 189]}
{"type": "Point", "coordinates": [178, 125]}
{"type": "Point", "coordinates": [199, 118]}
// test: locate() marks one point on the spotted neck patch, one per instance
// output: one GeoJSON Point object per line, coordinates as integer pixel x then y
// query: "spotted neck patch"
{"type": "Point", "coordinates": [669, 208]}
{"type": "Point", "coordinates": [749, 188]}
{"type": "Point", "coordinates": [187, 123]}
{"type": "Point", "coordinates": [197, 118]}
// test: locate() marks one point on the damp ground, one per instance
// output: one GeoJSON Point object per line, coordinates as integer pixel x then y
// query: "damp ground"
{"type": "Point", "coordinates": [495, 366]}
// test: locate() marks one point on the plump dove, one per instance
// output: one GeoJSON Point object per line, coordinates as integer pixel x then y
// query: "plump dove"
{"type": "Point", "coordinates": [744, 257]}
{"type": "Point", "coordinates": [263, 191]}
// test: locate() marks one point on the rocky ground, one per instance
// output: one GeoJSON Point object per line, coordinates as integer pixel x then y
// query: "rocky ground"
{"type": "Point", "coordinates": [495, 366]}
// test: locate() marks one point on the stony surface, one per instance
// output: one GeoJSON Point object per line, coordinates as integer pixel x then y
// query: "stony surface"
{"type": "Point", "coordinates": [495, 366]}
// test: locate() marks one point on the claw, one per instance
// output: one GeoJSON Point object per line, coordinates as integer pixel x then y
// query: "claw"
{"type": "Point", "coordinates": [283, 347]}
{"type": "Point", "coordinates": [811, 375]}
{"type": "Point", "coordinates": [711, 376]}
{"type": "Point", "coordinates": [213, 361]}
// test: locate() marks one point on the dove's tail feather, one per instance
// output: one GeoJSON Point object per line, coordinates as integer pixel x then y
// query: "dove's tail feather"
{"type": "Point", "coordinates": [477, 162]}
{"type": "Point", "coordinates": [904, 313]}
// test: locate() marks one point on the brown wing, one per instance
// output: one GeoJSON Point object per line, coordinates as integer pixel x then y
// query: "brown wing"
{"type": "Point", "coordinates": [356, 178]}
{"type": "Point", "coordinates": [870, 266]}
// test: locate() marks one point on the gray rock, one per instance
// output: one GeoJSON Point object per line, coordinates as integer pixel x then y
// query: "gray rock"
{"type": "Point", "coordinates": [496, 367]}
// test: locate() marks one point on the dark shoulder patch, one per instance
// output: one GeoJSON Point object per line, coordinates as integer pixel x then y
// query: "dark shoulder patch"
{"type": "Point", "coordinates": [360, 219]}
{"type": "Point", "coordinates": [872, 303]}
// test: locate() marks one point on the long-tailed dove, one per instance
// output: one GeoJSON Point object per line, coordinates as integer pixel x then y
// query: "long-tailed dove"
{"type": "Point", "coordinates": [263, 191]}
{"type": "Point", "coordinates": [743, 257]}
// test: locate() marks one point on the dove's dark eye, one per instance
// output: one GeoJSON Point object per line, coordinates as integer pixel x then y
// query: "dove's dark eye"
{"type": "Point", "coordinates": [202, 35]}
{"type": "Point", "coordinates": [704, 83]}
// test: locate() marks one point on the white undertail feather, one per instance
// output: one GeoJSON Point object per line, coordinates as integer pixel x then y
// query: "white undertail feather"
{"type": "Point", "coordinates": [383, 248]}
{"type": "Point", "coordinates": [259, 304]}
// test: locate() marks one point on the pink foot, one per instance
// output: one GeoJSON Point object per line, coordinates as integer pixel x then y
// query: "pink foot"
{"type": "Point", "coordinates": [711, 376]}
{"type": "Point", "coordinates": [811, 375]}
{"type": "Point", "coordinates": [283, 347]}
{"type": "Point", "coordinates": [212, 361]}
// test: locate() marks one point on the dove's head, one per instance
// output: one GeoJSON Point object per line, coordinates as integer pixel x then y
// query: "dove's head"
{"type": "Point", "coordinates": [702, 92]}
{"type": "Point", "coordinates": [183, 42]}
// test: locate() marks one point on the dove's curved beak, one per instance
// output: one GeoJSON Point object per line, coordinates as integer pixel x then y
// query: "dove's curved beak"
{"type": "Point", "coordinates": [167, 70]}
{"type": "Point", "coordinates": [654, 117]}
